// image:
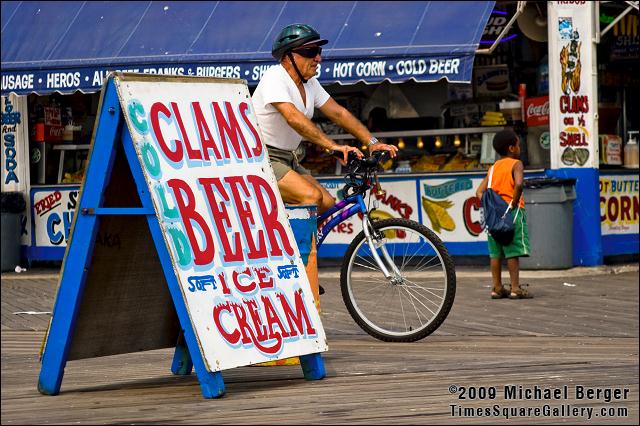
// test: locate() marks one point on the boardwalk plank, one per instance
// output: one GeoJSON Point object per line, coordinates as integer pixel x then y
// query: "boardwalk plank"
{"type": "Point", "coordinates": [565, 336]}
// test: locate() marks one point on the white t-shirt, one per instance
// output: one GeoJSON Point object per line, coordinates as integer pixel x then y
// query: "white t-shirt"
{"type": "Point", "coordinates": [277, 86]}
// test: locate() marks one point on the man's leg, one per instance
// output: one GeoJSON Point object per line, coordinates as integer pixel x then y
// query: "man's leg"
{"type": "Point", "coordinates": [296, 190]}
{"type": "Point", "coordinates": [327, 199]}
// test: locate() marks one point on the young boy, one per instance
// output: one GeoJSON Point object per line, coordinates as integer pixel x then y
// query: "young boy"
{"type": "Point", "coordinates": [507, 180]}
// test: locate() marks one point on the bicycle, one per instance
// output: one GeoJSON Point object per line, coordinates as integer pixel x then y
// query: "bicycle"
{"type": "Point", "coordinates": [399, 258]}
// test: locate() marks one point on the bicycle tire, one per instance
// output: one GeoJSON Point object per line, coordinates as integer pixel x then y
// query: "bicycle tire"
{"type": "Point", "coordinates": [356, 305]}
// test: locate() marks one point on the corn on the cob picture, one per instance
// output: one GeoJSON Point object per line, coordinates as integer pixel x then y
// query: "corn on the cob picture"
{"type": "Point", "coordinates": [438, 215]}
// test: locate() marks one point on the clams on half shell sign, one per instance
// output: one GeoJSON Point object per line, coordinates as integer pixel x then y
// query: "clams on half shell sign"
{"type": "Point", "coordinates": [572, 92]}
{"type": "Point", "coordinates": [222, 218]}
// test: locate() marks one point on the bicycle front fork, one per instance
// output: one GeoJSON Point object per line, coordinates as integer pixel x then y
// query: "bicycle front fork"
{"type": "Point", "coordinates": [394, 276]}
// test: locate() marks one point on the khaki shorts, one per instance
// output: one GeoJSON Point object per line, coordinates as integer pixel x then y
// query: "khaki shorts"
{"type": "Point", "coordinates": [282, 161]}
{"type": "Point", "coordinates": [519, 247]}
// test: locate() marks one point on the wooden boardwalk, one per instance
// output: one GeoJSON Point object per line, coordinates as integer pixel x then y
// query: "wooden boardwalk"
{"type": "Point", "coordinates": [578, 331]}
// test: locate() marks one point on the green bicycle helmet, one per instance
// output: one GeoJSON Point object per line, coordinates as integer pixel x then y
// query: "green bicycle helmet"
{"type": "Point", "coordinates": [292, 36]}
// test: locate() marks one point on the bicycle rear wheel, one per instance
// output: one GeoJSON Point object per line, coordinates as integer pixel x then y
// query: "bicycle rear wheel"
{"type": "Point", "coordinates": [411, 305]}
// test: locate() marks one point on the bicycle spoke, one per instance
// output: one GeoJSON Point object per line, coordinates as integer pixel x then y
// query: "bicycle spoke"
{"type": "Point", "coordinates": [416, 310]}
{"type": "Point", "coordinates": [367, 256]}
{"type": "Point", "coordinates": [367, 267]}
{"type": "Point", "coordinates": [419, 287]}
{"type": "Point", "coordinates": [422, 296]}
{"type": "Point", "coordinates": [427, 290]}
{"type": "Point", "coordinates": [416, 254]}
{"type": "Point", "coordinates": [404, 318]}
{"type": "Point", "coordinates": [369, 290]}
{"type": "Point", "coordinates": [404, 256]}
{"type": "Point", "coordinates": [418, 300]}
{"type": "Point", "coordinates": [417, 251]}
{"type": "Point", "coordinates": [429, 265]}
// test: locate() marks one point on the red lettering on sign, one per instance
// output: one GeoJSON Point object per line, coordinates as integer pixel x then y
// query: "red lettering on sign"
{"type": "Point", "coordinates": [622, 208]}
{"type": "Point", "coordinates": [273, 321]}
{"type": "Point", "coordinates": [344, 228]}
{"type": "Point", "coordinates": [243, 325]}
{"type": "Point", "coordinates": [223, 280]}
{"type": "Point", "coordinates": [206, 138]}
{"type": "Point", "coordinates": [192, 154]}
{"type": "Point", "coordinates": [241, 287]}
{"type": "Point", "coordinates": [232, 338]}
{"type": "Point", "coordinates": [264, 281]}
{"type": "Point", "coordinates": [246, 217]}
{"type": "Point", "coordinates": [221, 219]}
{"type": "Point", "coordinates": [157, 109]}
{"type": "Point", "coordinates": [48, 203]}
{"type": "Point", "coordinates": [257, 150]}
{"type": "Point", "coordinates": [473, 227]}
{"type": "Point", "coordinates": [395, 203]}
{"type": "Point", "coordinates": [269, 215]}
{"type": "Point", "coordinates": [299, 316]}
{"type": "Point", "coordinates": [574, 104]}
{"type": "Point", "coordinates": [537, 111]}
{"type": "Point", "coordinates": [259, 328]}
{"type": "Point", "coordinates": [188, 213]}
{"type": "Point", "coordinates": [229, 130]}
{"type": "Point", "coordinates": [573, 139]}
{"type": "Point", "coordinates": [249, 327]}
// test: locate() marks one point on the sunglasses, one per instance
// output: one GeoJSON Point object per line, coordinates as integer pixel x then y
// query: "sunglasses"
{"type": "Point", "coordinates": [309, 52]}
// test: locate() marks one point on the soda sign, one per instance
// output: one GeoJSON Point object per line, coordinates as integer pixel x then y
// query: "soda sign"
{"type": "Point", "coordinates": [537, 111]}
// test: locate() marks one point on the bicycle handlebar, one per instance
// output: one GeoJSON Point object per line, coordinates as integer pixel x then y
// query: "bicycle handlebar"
{"type": "Point", "coordinates": [361, 173]}
{"type": "Point", "coordinates": [368, 162]}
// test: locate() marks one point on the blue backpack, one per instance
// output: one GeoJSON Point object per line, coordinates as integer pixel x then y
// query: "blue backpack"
{"type": "Point", "coordinates": [498, 217]}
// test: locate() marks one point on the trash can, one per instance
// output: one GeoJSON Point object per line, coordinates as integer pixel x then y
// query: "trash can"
{"type": "Point", "coordinates": [11, 205]}
{"type": "Point", "coordinates": [549, 206]}
{"type": "Point", "coordinates": [303, 220]}
{"type": "Point", "coordinates": [304, 223]}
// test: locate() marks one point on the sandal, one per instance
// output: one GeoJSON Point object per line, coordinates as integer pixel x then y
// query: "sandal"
{"type": "Point", "coordinates": [521, 294]}
{"type": "Point", "coordinates": [501, 294]}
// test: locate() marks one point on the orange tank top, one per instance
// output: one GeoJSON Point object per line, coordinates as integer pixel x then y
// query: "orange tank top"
{"type": "Point", "coordinates": [501, 180]}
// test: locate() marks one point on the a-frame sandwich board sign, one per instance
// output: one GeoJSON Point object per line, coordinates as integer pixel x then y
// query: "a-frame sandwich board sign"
{"type": "Point", "coordinates": [179, 239]}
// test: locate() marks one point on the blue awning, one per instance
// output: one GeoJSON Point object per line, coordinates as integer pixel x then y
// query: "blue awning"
{"type": "Point", "coordinates": [71, 45]}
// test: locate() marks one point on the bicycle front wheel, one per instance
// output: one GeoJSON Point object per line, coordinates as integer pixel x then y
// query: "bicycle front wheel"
{"type": "Point", "coordinates": [416, 299]}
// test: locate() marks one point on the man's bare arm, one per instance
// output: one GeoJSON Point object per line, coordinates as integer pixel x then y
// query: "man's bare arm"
{"type": "Point", "coordinates": [305, 127]}
{"type": "Point", "coordinates": [343, 118]}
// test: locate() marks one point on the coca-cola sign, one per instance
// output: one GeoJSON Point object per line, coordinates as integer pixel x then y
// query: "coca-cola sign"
{"type": "Point", "coordinates": [537, 111]}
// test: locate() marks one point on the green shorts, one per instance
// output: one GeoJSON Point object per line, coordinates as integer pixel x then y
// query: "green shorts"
{"type": "Point", "coordinates": [282, 161]}
{"type": "Point", "coordinates": [519, 247]}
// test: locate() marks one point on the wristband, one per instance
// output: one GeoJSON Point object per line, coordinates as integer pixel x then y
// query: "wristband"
{"type": "Point", "coordinates": [373, 141]}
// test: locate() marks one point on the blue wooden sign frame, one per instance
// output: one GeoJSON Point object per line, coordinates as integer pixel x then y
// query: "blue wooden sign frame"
{"type": "Point", "coordinates": [111, 131]}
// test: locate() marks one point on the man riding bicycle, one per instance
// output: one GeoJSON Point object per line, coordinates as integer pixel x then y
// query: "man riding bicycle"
{"type": "Point", "coordinates": [284, 103]}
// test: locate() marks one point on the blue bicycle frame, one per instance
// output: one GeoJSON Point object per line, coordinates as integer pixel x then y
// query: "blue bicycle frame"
{"type": "Point", "coordinates": [358, 207]}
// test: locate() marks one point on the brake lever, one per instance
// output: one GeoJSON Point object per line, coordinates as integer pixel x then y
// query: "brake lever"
{"type": "Point", "coordinates": [378, 187]}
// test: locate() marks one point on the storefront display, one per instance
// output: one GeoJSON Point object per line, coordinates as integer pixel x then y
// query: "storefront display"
{"type": "Point", "coordinates": [444, 128]}
{"type": "Point", "coordinates": [444, 202]}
